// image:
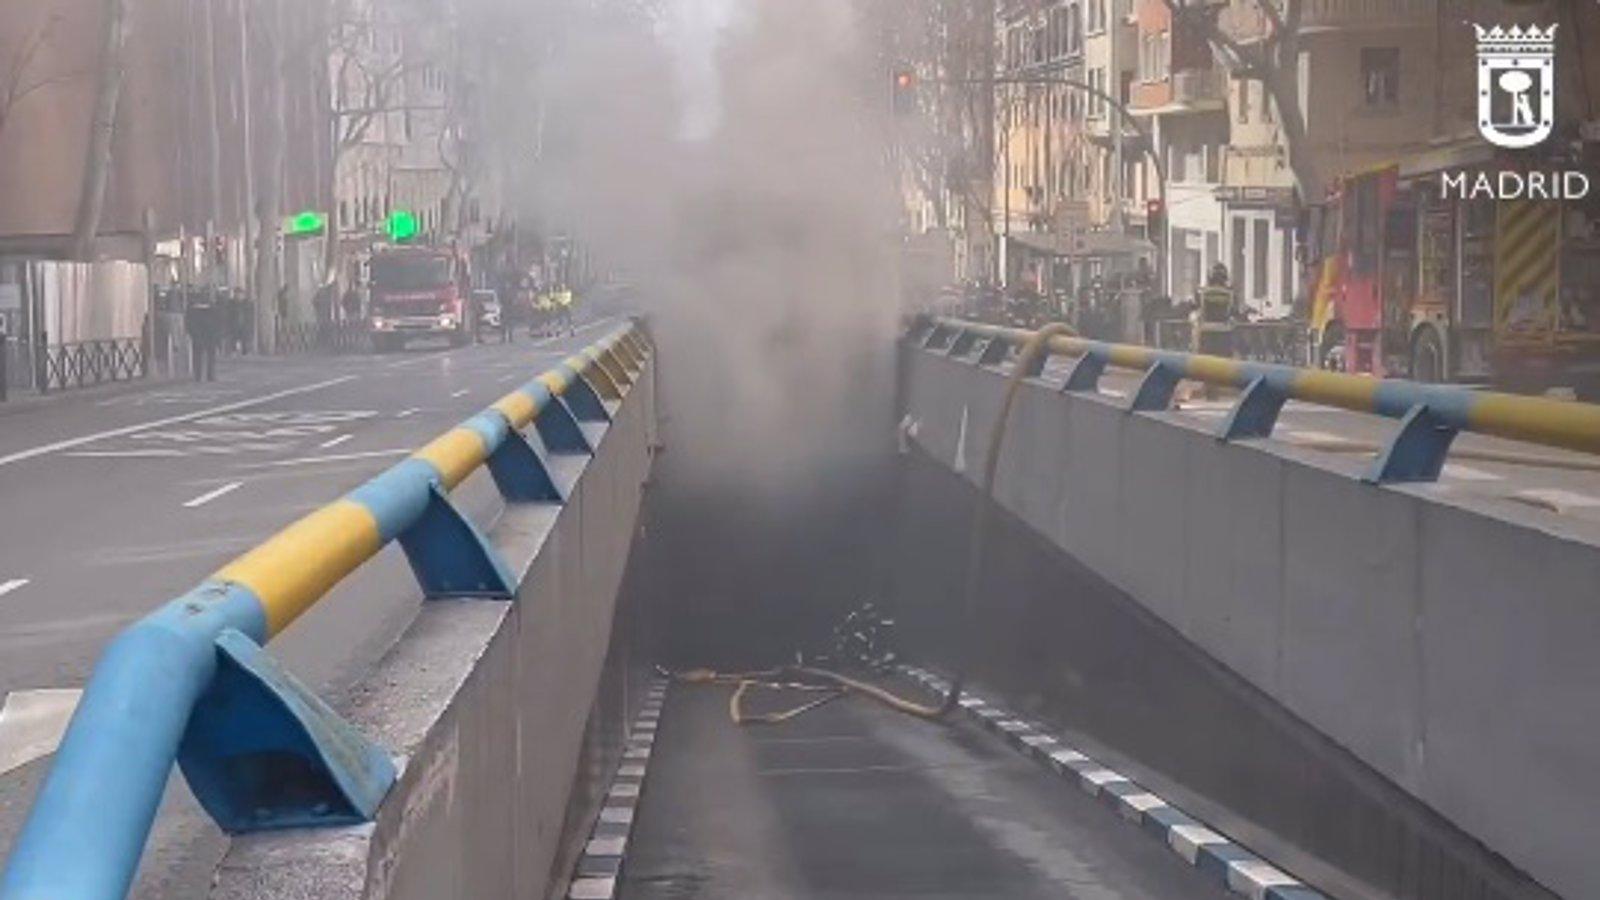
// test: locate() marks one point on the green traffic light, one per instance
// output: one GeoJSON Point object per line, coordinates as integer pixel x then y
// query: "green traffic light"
{"type": "Point", "coordinates": [402, 225]}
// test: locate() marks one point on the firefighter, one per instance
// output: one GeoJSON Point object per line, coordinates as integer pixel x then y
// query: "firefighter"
{"type": "Point", "coordinates": [1214, 315]}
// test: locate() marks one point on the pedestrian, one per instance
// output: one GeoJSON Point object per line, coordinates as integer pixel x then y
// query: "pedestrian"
{"type": "Point", "coordinates": [200, 320]}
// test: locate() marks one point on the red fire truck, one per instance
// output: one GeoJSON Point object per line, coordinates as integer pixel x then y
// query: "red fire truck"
{"type": "Point", "coordinates": [1408, 281]}
{"type": "Point", "coordinates": [418, 292]}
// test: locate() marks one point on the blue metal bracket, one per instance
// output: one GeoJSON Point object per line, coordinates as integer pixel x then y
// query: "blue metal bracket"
{"type": "Point", "coordinates": [962, 345]}
{"type": "Point", "coordinates": [584, 401]}
{"type": "Point", "coordinates": [1256, 413]}
{"type": "Point", "coordinates": [559, 430]}
{"type": "Point", "coordinates": [1417, 451]}
{"type": "Point", "coordinates": [451, 557]}
{"type": "Point", "coordinates": [262, 751]}
{"type": "Point", "coordinates": [519, 470]}
{"type": "Point", "coordinates": [994, 352]}
{"type": "Point", "coordinates": [1085, 374]}
{"type": "Point", "coordinates": [920, 330]}
{"type": "Point", "coordinates": [935, 338]}
{"type": "Point", "coordinates": [1155, 389]}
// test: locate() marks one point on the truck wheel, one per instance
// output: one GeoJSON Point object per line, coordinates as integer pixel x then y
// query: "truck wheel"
{"type": "Point", "coordinates": [1427, 358]}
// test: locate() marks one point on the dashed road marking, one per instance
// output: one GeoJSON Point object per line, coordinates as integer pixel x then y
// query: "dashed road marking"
{"type": "Point", "coordinates": [460, 393]}
{"type": "Point", "coordinates": [406, 413]}
{"type": "Point", "coordinates": [7, 587]}
{"type": "Point", "coordinates": [334, 442]}
{"type": "Point", "coordinates": [211, 495]}
{"type": "Point", "coordinates": [1557, 500]}
{"type": "Point", "coordinates": [71, 443]}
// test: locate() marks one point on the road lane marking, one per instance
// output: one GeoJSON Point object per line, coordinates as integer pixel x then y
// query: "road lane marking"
{"type": "Point", "coordinates": [209, 496]}
{"type": "Point", "coordinates": [70, 443]}
{"type": "Point", "coordinates": [32, 723]}
{"type": "Point", "coordinates": [333, 457]}
{"type": "Point", "coordinates": [7, 587]}
{"type": "Point", "coordinates": [460, 393]}
{"type": "Point", "coordinates": [334, 442]}
{"type": "Point", "coordinates": [406, 413]}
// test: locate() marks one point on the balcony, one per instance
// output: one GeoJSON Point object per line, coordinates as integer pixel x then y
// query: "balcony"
{"type": "Point", "coordinates": [1192, 91]}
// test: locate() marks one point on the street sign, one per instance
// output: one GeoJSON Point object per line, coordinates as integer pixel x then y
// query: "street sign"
{"type": "Point", "coordinates": [402, 225]}
{"type": "Point", "coordinates": [303, 223]}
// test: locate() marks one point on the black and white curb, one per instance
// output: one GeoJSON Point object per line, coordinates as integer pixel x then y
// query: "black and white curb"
{"type": "Point", "coordinates": [1212, 853]}
{"type": "Point", "coordinates": [599, 869]}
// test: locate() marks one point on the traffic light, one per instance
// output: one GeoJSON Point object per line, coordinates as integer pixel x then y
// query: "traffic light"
{"type": "Point", "coordinates": [903, 92]}
{"type": "Point", "coordinates": [1155, 217]}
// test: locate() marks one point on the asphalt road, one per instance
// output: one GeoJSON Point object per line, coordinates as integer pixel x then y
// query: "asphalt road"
{"type": "Point", "coordinates": [109, 507]}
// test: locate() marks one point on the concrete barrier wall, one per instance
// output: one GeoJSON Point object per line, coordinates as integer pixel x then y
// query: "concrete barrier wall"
{"type": "Point", "coordinates": [1446, 643]}
{"type": "Point", "coordinates": [490, 706]}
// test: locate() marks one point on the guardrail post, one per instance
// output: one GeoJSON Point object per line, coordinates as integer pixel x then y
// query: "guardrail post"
{"type": "Point", "coordinates": [520, 472]}
{"type": "Point", "coordinates": [962, 344]}
{"type": "Point", "coordinates": [1085, 374]}
{"type": "Point", "coordinates": [920, 329]}
{"type": "Point", "coordinates": [1155, 389]}
{"type": "Point", "coordinates": [994, 352]}
{"type": "Point", "coordinates": [262, 751]}
{"type": "Point", "coordinates": [583, 401]}
{"type": "Point", "coordinates": [935, 338]}
{"type": "Point", "coordinates": [1417, 451]}
{"type": "Point", "coordinates": [559, 430]}
{"type": "Point", "coordinates": [451, 557]}
{"type": "Point", "coordinates": [1256, 413]}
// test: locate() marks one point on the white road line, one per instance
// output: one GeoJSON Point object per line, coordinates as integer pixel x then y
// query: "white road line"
{"type": "Point", "coordinates": [406, 413]}
{"type": "Point", "coordinates": [460, 393]}
{"type": "Point", "coordinates": [312, 460]}
{"type": "Point", "coordinates": [1315, 437]}
{"type": "Point", "coordinates": [209, 496]}
{"type": "Point", "coordinates": [334, 442]}
{"type": "Point", "coordinates": [46, 449]}
{"type": "Point", "coordinates": [7, 587]}
{"type": "Point", "coordinates": [1557, 499]}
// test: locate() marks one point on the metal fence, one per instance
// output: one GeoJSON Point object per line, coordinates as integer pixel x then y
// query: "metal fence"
{"type": "Point", "coordinates": [1286, 343]}
{"type": "Point", "coordinates": [87, 363]}
{"type": "Point", "coordinates": [192, 683]}
{"type": "Point", "coordinates": [323, 337]}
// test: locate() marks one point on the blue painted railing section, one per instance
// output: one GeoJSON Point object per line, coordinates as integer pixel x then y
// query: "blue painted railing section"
{"type": "Point", "coordinates": [191, 683]}
{"type": "Point", "coordinates": [1430, 415]}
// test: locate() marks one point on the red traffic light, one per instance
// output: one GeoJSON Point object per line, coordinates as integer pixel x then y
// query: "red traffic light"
{"type": "Point", "coordinates": [904, 80]}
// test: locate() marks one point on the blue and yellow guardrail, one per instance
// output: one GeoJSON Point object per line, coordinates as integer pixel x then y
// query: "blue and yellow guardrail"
{"type": "Point", "coordinates": [1431, 415]}
{"type": "Point", "coordinates": [191, 683]}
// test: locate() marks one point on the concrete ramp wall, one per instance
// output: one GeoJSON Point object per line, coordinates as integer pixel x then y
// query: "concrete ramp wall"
{"type": "Point", "coordinates": [1448, 646]}
{"type": "Point", "coordinates": [502, 712]}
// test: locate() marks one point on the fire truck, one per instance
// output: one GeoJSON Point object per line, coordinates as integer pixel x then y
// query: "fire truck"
{"type": "Point", "coordinates": [418, 292]}
{"type": "Point", "coordinates": [1406, 280]}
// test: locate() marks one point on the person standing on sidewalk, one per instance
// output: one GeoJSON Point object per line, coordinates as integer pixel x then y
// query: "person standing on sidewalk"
{"type": "Point", "coordinates": [200, 320]}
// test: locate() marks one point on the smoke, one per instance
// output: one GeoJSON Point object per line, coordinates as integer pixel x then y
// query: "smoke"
{"type": "Point", "coordinates": [728, 156]}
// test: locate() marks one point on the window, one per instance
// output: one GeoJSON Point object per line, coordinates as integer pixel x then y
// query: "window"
{"type": "Point", "coordinates": [1153, 56]}
{"type": "Point", "coordinates": [1097, 16]}
{"type": "Point", "coordinates": [1242, 101]}
{"type": "Point", "coordinates": [1097, 103]}
{"type": "Point", "coordinates": [1380, 75]}
{"type": "Point", "coordinates": [1258, 275]}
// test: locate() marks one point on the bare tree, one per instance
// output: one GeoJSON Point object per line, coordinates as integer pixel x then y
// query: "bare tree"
{"type": "Point", "coordinates": [1272, 58]}
{"type": "Point", "coordinates": [102, 129]}
{"type": "Point", "coordinates": [20, 78]}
